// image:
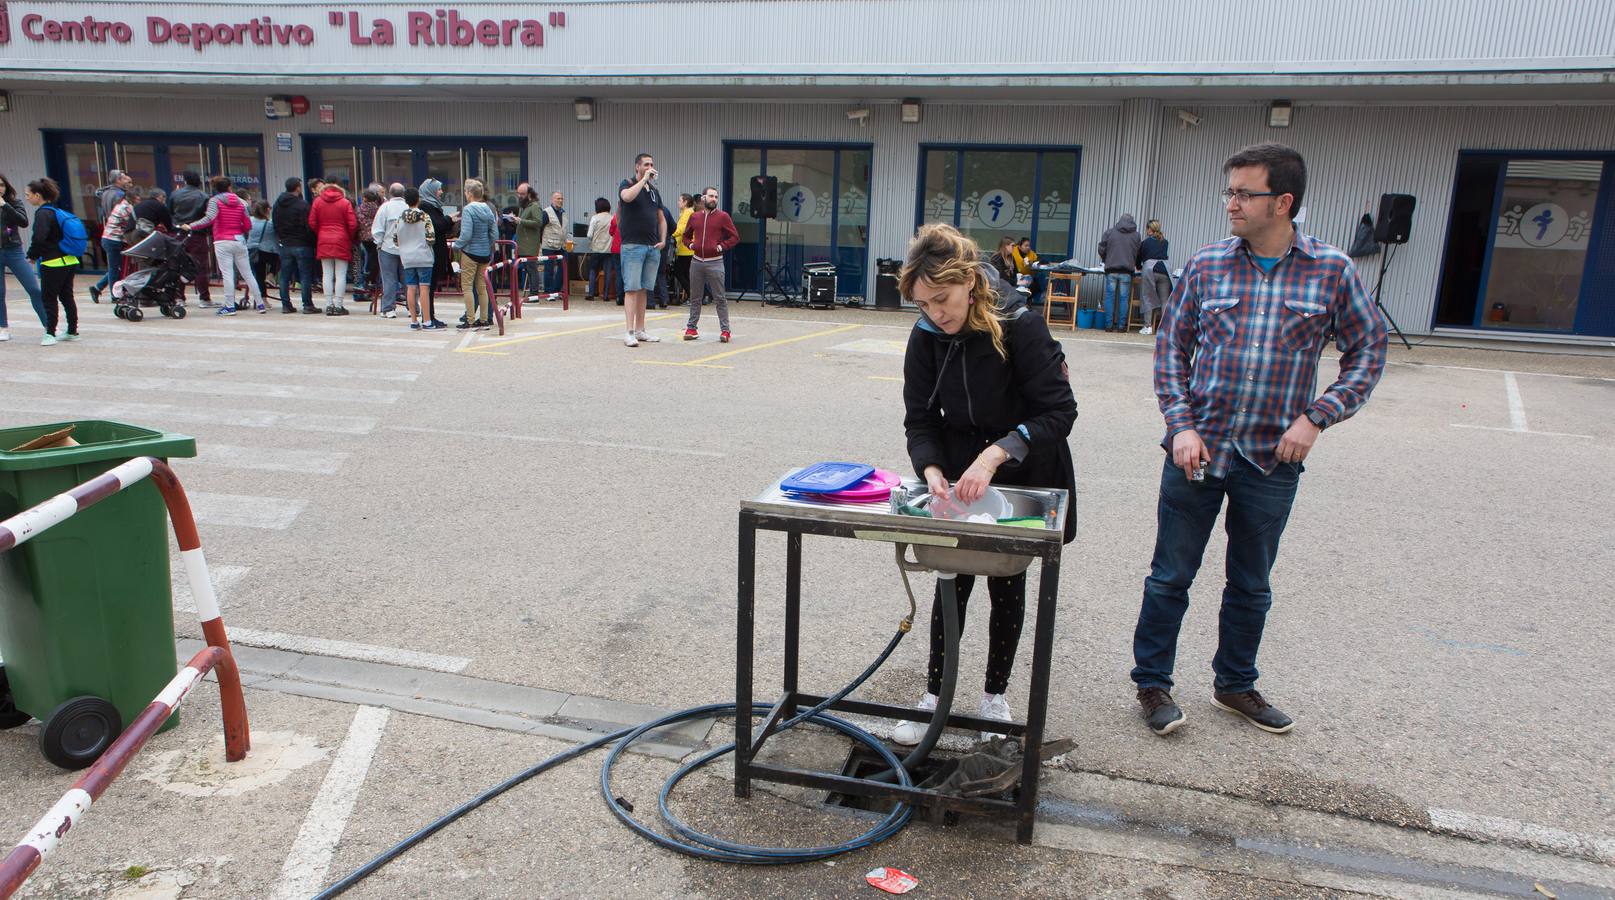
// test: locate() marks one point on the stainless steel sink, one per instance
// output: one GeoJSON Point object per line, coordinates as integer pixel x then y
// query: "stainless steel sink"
{"type": "Point", "coordinates": [912, 500]}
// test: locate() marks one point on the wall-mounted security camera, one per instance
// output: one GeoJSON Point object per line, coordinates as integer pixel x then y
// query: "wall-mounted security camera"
{"type": "Point", "coordinates": [1188, 119]}
{"type": "Point", "coordinates": [858, 114]}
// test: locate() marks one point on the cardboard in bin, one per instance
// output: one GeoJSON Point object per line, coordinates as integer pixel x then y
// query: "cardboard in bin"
{"type": "Point", "coordinates": [53, 441]}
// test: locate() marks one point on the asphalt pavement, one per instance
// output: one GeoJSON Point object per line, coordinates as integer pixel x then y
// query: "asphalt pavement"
{"type": "Point", "coordinates": [552, 512]}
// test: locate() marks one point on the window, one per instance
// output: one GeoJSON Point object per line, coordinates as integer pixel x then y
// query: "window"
{"type": "Point", "coordinates": [995, 192]}
{"type": "Point", "coordinates": [823, 214]}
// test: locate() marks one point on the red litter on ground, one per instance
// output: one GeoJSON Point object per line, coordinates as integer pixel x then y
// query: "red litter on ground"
{"type": "Point", "coordinates": [892, 881]}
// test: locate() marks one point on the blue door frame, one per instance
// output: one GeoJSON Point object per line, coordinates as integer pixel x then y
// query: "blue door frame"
{"type": "Point", "coordinates": [1595, 304]}
{"type": "Point", "coordinates": [847, 284]}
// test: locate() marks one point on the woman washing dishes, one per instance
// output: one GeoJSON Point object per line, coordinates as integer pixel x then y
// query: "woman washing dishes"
{"type": "Point", "coordinates": [988, 400]}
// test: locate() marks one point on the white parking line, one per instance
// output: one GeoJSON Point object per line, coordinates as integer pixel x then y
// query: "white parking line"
{"type": "Point", "coordinates": [166, 343]}
{"type": "Point", "coordinates": [245, 511]}
{"type": "Point", "coordinates": [209, 385]}
{"type": "Point", "coordinates": [235, 334]}
{"type": "Point", "coordinates": [271, 459]}
{"type": "Point", "coordinates": [1516, 406]}
{"type": "Point", "coordinates": [162, 412]}
{"type": "Point", "coordinates": [1524, 834]}
{"type": "Point", "coordinates": [238, 365]}
{"type": "Point", "coordinates": [297, 643]}
{"type": "Point", "coordinates": [303, 873]}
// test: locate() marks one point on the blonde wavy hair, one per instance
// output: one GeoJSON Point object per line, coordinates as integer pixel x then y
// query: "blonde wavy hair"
{"type": "Point", "coordinates": [941, 255]}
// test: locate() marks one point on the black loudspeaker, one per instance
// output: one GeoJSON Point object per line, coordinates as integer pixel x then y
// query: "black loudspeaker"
{"type": "Point", "coordinates": [765, 196]}
{"type": "Point", "coordinates": [1395, 218]}
{"type": "Point", "coordinates": [886, 294]}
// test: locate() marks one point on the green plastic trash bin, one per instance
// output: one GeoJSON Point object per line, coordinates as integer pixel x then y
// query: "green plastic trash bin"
{"type": "Point", "coordinates": [86, 609]}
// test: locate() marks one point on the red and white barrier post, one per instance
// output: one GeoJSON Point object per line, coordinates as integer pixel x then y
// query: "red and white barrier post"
{"type": "Point", "coordinates": [23, 526]}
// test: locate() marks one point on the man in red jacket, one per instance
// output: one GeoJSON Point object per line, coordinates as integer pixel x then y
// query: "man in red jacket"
{"type": "Point", "coordinates": [709, 233]}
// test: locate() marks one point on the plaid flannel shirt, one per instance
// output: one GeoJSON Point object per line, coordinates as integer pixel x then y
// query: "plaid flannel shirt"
{"type": "Point", "coordinates": [1237, 354]}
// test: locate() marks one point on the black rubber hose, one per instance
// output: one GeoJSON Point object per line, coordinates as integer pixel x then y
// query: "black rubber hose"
{"type": "Point", "coordinates": [714, 848]}
{"type": "Point", "coordinates": [950, 677]}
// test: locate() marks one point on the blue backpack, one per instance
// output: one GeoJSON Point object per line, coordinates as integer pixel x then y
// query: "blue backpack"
{"type": "Point", "coordinates": [75, 240]}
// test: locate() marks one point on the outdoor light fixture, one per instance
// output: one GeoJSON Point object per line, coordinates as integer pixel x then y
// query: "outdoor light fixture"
{"type": "Point", "coordinates": [583, 108]}
{"type": "Point", "coordinates": [911, 111]}
{"type": "Point", "coordinates": [5, 101]}
{"type": "Point", "coordinates": [1279, 114]}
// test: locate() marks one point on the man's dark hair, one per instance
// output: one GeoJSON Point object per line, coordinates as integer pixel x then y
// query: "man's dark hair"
{"type": "Point", "coordinates": [192, 178]}
{"type": "Point", "coordinates": [293, 183]}
{"type": "Point", "coordinates": [601, 204]}
{"type": "Point", "coordinates": [412, 196]}
{"type": "Point", "coordinates": [642, 156]}
{"type": "Point", "coordinates": [1286, 170]}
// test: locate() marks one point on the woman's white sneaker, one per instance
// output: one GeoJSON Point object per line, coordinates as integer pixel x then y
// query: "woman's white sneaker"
{"type": "Point", "coordinates": [628, 340]}
{"type": "Point", "coordinates": [994, 706]}
{"type": "Point", "coordinates": [909, 733]}
{"type": "Point", "coordinates": [646, 337]}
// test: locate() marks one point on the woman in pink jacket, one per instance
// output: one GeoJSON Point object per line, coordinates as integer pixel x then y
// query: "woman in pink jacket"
{"type": "Point", "coordinates": [334, 223]}
{"type": "Point", "coordinates": [227, 216]}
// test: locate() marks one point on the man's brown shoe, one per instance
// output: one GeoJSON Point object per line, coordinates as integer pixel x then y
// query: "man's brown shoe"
{"type": "Point", "coordinates": [1256, 709]}
{"type": "Point", "coordinates": [1160, 713]}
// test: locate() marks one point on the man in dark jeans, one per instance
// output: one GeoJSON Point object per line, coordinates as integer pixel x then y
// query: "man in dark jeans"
{"type": "Point", "coordinates": [1236, 367]}
{"type": "Point", "coordinates": [189, 203]}
{"type": "Point", "coordinates": [290, 219]}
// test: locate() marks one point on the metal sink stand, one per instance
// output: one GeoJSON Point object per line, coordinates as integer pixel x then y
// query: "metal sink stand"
{"type": "Point", "coordinates": [774, 511]}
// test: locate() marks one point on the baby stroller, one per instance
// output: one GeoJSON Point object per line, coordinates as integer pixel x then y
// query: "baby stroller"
{"type": "Point", "coordinates": [165, 269]}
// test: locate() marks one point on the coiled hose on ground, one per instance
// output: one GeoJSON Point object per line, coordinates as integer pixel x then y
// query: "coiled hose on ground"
{"type": "Point", "coordinates": [705, 846]}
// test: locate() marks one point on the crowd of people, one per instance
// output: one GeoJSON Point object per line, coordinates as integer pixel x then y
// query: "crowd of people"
{"type": "Point", "coordinates": [1123, 255]}
{"type": "Point", "coordinates": [391, 245]}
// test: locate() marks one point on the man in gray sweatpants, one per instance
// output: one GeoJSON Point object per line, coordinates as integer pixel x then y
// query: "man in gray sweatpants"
{"type": "Point", "coordinates": [709, 233]}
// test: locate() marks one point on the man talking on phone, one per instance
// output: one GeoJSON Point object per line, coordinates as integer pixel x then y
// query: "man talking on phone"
{"type": "Point", "coordinates": [644, 233]}
{"type": "Point", "coordinates": [1236, 369]}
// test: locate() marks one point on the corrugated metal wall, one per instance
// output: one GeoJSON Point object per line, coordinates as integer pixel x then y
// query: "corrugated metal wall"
{"type": "Point", "coordinates": [1355, 153]}
{"type": "Point", "coordinates": [897, 37]}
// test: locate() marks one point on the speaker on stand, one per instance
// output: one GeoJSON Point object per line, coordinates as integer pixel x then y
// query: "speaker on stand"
{"type": "Point", "coordinates": [765, 206]}
{"type": "Point", "coordinates": [1392, 228]}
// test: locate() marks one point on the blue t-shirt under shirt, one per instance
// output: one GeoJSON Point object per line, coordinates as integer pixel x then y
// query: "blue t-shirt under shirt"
{"type": "Point", "coordinates": [1266, 262]}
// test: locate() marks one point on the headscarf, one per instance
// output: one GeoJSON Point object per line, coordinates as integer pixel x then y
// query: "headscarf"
{"type": "Point", "coordinates": [431, 188]}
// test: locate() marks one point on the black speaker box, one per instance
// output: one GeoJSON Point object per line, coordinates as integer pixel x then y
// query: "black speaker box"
{"type": "Point", "coordinates": [1395, 218]}
{"type": "Point", "coordinates": [765, 196]}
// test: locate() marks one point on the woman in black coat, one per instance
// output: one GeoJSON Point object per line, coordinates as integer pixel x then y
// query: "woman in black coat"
{"type": "Point", "coordinates": [987, 399]}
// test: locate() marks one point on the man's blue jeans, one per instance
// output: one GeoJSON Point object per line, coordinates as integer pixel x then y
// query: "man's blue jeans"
{"type": "Point", "coordinates": [114, 251]}
{"type": "Point", "coordinates": [298, 263]}
{"type": "Point", "coordinates": [1118, 296]}
{"type": "Point", "coordinates": [1258, 509]}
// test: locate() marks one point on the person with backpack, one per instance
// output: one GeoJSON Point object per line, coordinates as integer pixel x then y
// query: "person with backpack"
{"type": "Point", "coordinates": [14, 218]}
{"type": "Point", "coordinates": [227, 218]}
{"type": "Point", "coordinates": [58, 242]}
{"type": "Point", "coordinates": [117, 187]}
{"type": "Point", "coordinates": [334, 223]}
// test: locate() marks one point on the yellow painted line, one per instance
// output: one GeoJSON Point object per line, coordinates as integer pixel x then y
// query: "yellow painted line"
{"type": "Point", "coordinates": [884, 378]}
{"type": "Point", "coordinates": [792, 340]}
{"type": "Point", "coordinates": [488, 348]}
{"type": "Point", "coordinates": [686, 365]}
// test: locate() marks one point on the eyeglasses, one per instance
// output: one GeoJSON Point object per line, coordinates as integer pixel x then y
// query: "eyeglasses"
{"type": "Point", "coordinates": [1244, 197]}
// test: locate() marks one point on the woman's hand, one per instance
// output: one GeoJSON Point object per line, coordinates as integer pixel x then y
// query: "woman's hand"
{"type": "Point", "coordinates": [973, 484]}
{"type": "Point", "coordinates": [936, 482]}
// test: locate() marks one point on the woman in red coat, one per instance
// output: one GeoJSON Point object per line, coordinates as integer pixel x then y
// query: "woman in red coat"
{"type": "Point", "coordinates": [333, 221]}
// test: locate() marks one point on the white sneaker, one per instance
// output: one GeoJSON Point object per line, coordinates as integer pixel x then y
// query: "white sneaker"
{"type": "Point", "coordinates": [647, 338]}
{"type": "Point", "coordinates": [1146, 330]}
{"type": "Point", "coordinates": [909, 733]}
{"type": "Point", "coordinates": [628, 340]}
{"type": "Point", "coordinates": [996, 707]}
{"type": "Point", "coordinates": [48, 340]}
{"type": "Point", "coordinates": [5, 334]}
{"type": "Point", "coordinates": [390, 314]}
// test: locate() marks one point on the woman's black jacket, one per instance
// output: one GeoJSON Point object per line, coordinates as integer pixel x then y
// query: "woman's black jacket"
{"type": "Point", "coordinates": [960, 397]}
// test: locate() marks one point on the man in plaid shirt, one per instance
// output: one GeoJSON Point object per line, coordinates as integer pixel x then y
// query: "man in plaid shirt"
{"type": "Point", "coordinates": [1236, 368]}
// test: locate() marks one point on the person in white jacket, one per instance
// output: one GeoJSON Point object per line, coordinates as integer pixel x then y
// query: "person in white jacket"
{"type": "Point", "coordinates": [410, 239]}
{"type": "Point", "coordinates": [392, 268]}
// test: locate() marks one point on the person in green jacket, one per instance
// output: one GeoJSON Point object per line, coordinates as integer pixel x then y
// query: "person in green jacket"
{"type": "Point", "coordinates": [529, 233]}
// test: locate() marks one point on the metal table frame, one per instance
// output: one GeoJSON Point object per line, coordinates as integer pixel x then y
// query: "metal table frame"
{"type": "Point", "coordinates": [795, 519]}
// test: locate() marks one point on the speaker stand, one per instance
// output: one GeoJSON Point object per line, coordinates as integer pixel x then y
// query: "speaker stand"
{"type": "Point", "coordinates": [1388, 251]}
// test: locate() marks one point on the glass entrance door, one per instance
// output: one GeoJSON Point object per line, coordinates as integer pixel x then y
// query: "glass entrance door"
{"type": "Point", "coordinates": [356, 162]}
{"type": "Point", "coordinates": [1543, 226]}
{"type": "Point", "coordinates": [823, 213]}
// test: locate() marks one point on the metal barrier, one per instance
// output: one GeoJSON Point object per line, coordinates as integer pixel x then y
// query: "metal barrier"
{"type": "Point", "coordinates": [44, 836]}
{"type": "Point", "coordinates": [514, 304]}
